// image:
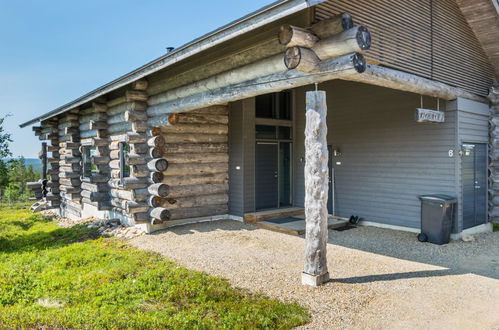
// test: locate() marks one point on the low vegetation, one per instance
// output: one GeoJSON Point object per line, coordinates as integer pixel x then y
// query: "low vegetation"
{"type": "Point", "coordinates": [70, 278]}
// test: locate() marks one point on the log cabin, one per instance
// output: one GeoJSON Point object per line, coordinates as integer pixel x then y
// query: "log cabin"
{"type": "Point", "coordinates": [215, 129]}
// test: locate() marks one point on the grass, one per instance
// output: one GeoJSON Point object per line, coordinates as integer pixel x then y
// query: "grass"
{"type": "Point", "coordinates": [495, 226]}
{"type": "Point", "coordinates": [69, 278]}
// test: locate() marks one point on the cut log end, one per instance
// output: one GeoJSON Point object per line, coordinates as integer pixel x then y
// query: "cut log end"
{"type": "Point", "coordinates": [301, 59]}
{"type": "Point", "coordinates": [359, 62]}
{"type": "Point", "coordinates": [363, 38]}
{"type": "Point", "coordinates": [291, 36]}
{"type": "Point", "coordinates": [346, 21]}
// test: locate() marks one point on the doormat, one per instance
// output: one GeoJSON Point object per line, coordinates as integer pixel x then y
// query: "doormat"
{"type": "Point", "coordinates": [347, 227]}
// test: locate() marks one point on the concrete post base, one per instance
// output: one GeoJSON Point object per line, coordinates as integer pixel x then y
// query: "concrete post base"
{"type": "Point", "coordinates": [314, 280]}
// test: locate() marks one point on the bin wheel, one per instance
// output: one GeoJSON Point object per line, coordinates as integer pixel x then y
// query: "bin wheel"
{"type": "Point", "coordinates": [422, 237]}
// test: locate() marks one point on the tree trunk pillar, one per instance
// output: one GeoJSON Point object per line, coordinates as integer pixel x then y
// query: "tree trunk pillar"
{"type": "Point", "coordinates": [316, 190]}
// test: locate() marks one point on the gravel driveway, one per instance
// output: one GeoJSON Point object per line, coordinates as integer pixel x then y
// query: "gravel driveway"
{"type": "Point", "coordinates": [381, 278]}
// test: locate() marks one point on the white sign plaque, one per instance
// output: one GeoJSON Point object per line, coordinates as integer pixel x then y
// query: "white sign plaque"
{"type": "Point", "coordinates": [429, 116]}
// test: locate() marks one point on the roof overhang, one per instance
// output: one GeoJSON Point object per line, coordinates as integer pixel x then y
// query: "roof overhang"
{"type": "Point", "coordinates": [261, 17]}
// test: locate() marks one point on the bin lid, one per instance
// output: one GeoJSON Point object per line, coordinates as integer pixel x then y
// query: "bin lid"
{"type": "Point", "coordinates": [439, 198]}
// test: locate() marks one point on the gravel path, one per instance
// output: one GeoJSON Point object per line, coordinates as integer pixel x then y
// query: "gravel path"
{"type": "Point", "coordinates": [381, 278]}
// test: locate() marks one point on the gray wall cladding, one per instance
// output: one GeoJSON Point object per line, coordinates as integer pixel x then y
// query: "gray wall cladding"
{"type": "Point", "coordinates": [387, 158]}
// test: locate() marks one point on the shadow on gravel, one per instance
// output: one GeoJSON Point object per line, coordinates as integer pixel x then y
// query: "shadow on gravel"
{"type": "Point", "coordinates": [480, 257]}
{"type": "Point", "coordinates": [395, 276]}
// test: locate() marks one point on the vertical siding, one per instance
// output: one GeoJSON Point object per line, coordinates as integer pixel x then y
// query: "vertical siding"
{"type": "Point", "coordinates": [428, 38]}
{"type": "Point", "coordinates": [387, 158]}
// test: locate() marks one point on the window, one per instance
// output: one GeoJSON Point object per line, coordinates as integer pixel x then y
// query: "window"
{"type": "Point", "coordinates": [265, 132]}
{"type": "Point", "coordinates": [274, 106]}
{"type": "Point", "coordinates": [88, 166]}
{"type": "Point", "coordinates": [124, 167]}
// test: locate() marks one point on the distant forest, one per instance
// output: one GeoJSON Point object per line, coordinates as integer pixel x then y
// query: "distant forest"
{"type": "Point", "coordinates": [35, 162]}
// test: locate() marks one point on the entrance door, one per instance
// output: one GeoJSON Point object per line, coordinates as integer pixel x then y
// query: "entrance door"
{"type": "Point", "coordinates": [266, 178]}
{"type": "Point", "coordinates": [474, 180]}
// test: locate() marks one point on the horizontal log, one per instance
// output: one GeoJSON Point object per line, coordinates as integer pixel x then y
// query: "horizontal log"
{"type": "Point", "coordinates": [158, 165]}
{"type": "Point", "coordinates": [134, 159]}
{"type": "Point", "coordinates": [69, 175]}
{"type": "Point", "coordinates": [130, 195]}
{"type": "Point", "coordinates": [185, 180]}
{"type": "Point", "coordinates": [70, 145]}
{"type": "Point", "coordinates": [134, 207]}
{"type": "Point", "coordinates": [141, 217]}
{"type": "Point", "coordinates": [195, 148]}
{"type": "Point", "coordinates": [98, 125]}
{"type": "Point", "coordinates": [196, 168]}
{"type": "Point", "coordinates": [140, 126]}
{"type": "Point", "coordinates": [100, 160]}
{"type": "Point", "coordinates": [136, 138]}
{"type": "Point", "coordinates": [128, 183]}
{"type": "Point", "coordinates": [135, 95]}
{"type": "Point", "coordinates": [95, 196]}
{"type": "Point", "coordinates": [140, 171]}
{"type": "Point", "coordinates": [291, 36]}
{"type": "Point", "coordinates": [140, 84]}
{"type": "Point", "coordinates": [334, 68]}
{"type": "Point", "coordinates": [196, 138]}
{"type": "Point", "coordinates": [139, 148]}
{"type": "Point", "coordinates": [197, 190]}
{"type": "Point", "coordinates": [159, 213]}
{"type": "Point", "coordinates": [213, 110]}
{"type": "Point", "coordinates": [211, 157]}
{"type": "Point", "coordinates": [356, 39]}
{"type": "Point", "coordinates": [193, 201]}
{"type": "Point", "coordinates": [73, 182]}
{"type": "Point", "coordinates": [159, 189]}
{"type": "Point", "coordinates": [196, 128]}
{"type": "Point", "coordinates": [95, 187]}
{"type": "Point", "coordinates": [332, 26]}
{"type": "Point", "coordinates": [197, 118]}
{"type": "Point", "coordinates": [99, 107]}
{"type": "Point", "coordinates": [389, 78]}
{"type": "Point", "coordinates": [97, 178]}
{"type": "Point", "coordinates": [196, 212]}
{"type": "Point", "coordinates": [71, 130]}
{"type": "Point", "coordinates": [132, 116]}
{"type": "Point", "coordinates": [34, 185]}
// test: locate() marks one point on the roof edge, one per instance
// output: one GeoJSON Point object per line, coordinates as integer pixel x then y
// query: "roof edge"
{"type": "Point", "coordinates": [263, 16]}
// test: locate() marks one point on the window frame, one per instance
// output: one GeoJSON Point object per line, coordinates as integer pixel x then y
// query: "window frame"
{"type": "Point", "coordinates": [87, 154]}
{"type": "Point", "coordinates": [124, 166]}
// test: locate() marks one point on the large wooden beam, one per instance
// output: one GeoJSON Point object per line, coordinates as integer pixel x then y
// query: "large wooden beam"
{"type": "Point", "coordinates": [316, 190]}
{"type": "Point", "coordinates": [385, 77]}
{"type": "Point", "coordinates": [327, 70]}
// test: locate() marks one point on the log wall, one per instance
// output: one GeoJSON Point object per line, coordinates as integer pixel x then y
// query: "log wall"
{"type": "Point", "coordinates": [196, 148]}
{"type": "Point", "coordinates": [70, 163]}
{"type": "Point", "coordinates": [125, 123]}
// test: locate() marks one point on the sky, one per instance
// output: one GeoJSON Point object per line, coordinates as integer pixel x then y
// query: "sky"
{"type": "Point", "coordinates": [52, 52]}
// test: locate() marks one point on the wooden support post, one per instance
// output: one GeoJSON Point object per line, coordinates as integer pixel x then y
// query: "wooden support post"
{"type": "Point", "coordinates": [316, 189]}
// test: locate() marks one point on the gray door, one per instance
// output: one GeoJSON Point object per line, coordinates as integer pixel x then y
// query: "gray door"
{"type": "Point", "coordinates": [474, 180]}
{"type": "Point", "coordinates": [266, 179]}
